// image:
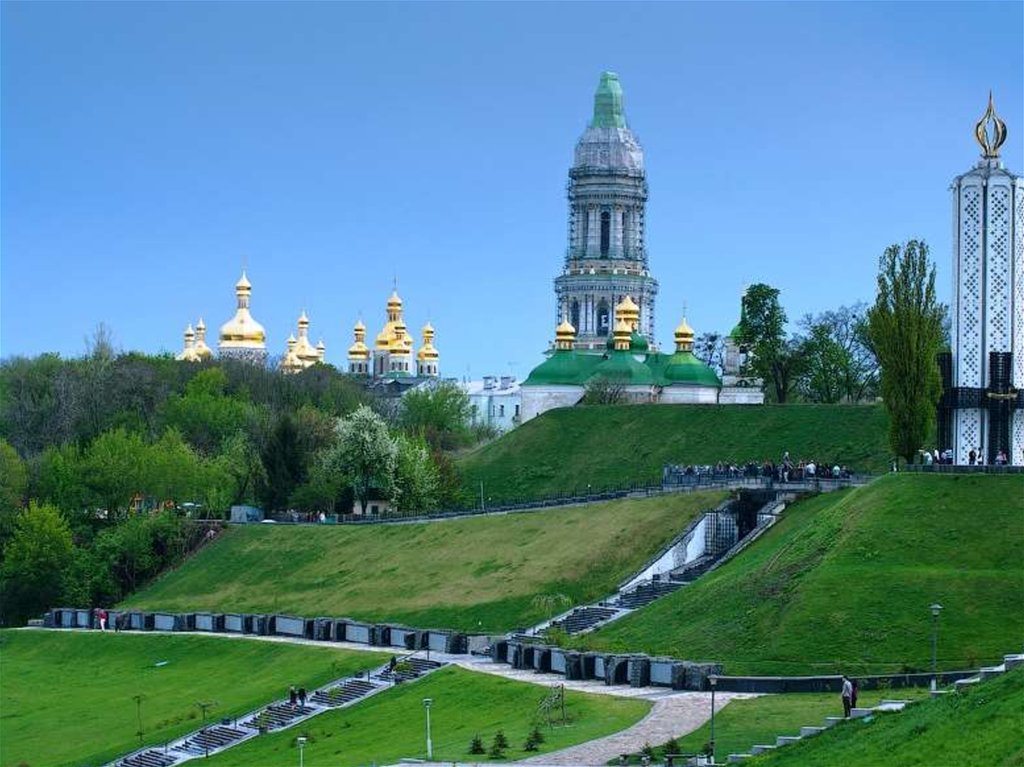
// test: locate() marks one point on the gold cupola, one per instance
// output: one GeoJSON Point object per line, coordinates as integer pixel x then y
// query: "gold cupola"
{"type": "Point", "coordinates": [188, 354]}
{"type": "Point", "coordinates": [628, 311]}
{"type": "Point", "coordinates": [684, 337]}
{"type": "Point", "coordinates": [290, 362]}
{"type": "Point", "coordinates": [242, 331]}
{"type": "Point", "coordinates": [565, 335]}
{"type": "Point", "coordinates": [321, 350]}
{"type": "Point", "coordinates": [621, 335]}
{"type": "Point", "coordinates": [203, 351]}
{"type": "Point", "coordinates": [359, 352]}
{"type": "Point", "coordinates": [303, 348]}
{"type": "Point", "coordinates": [428, 357]}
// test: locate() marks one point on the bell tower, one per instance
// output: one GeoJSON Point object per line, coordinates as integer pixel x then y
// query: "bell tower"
{"type": "Point", "coordinates": [606, 258]}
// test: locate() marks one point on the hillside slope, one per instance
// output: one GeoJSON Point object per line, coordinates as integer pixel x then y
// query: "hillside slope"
{"type": "Point", "coordinates": [615, 445]}
{"type": "Point", "coordinates": [981, 725]}
{"type": "Point", "coordinates": [476, 574]}
{"type": "Point", "coordinates": [843, 583]}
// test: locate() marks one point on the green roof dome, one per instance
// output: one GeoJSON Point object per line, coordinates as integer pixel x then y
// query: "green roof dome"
{"type": "Point", "coordinates": [620, 367]}
{"type": "Point", "coordinates": [637, 343]}
{"type": "Point", "coordinates": [684, 368]}
{"type": "Point", "coordinates": [563, 368]}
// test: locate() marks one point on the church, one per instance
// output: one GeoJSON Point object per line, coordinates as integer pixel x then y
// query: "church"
{"type": "Point", "coordinates": [391, 361]}
{"type": "Point", "coordinates": [605, 295]}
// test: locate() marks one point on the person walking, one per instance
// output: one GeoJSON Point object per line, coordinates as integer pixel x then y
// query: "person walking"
{"type": "Point", "coordinates": [855, 689]}
{"type": "Point", "coordinates": [293, 695]}
{"type": "Point", "coordinates": [302, 697]}
{"type": "Point", "coordinates": [847, 695]}
{"type": "Point", "coordinates": [102, 615]}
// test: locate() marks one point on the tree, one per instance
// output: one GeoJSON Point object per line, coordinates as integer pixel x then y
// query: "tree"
{"type": "Point", "coordinates": [905, 330]}
{"type": "Point", "coordinates": [284, 462]}
{"type": "Point", "coordinates": [762, 329]}
{"type": "Point", "coordinates": [13, 481]}
{"type": "Point", "coordinates": [34, 563]}
{"type": "Point", "coordinates": [709, 348]}
{"type": "Point", "coordinates": [826, 366]}
{"type": "Point", "coordinates": [848, 349]}
{"type": "Point", "coordinates": [603, 391]}
{"type": "Point", "coordinates": [442, 414]}
{"type": "Point", "coordinates": [364, 454]}
{"type": "Point", "coordinates": [114, 467]}
{"type": "Point", "coordinates": [416, 480]}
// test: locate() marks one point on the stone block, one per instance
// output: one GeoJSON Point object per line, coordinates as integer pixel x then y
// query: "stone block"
{"type": "Point", "coordinates": [787, 740]}
{"type": "Point", "coordinates": [860, 713]}
{"type": "Point", "coordinates": [806, 732]}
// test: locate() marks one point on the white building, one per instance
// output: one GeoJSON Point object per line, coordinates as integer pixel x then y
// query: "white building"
{"type": "Point", "coordinates": [496, 400]}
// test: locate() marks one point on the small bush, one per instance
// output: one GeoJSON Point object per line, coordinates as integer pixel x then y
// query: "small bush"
{"type": "Point", "coordinates": [500, 740]}
{"type": "Point", "coordinates": [647, 750]}
{"type": "Point", "coordinates": [671, 746]}
{"type": "Point", "coordinates": [476, 746]}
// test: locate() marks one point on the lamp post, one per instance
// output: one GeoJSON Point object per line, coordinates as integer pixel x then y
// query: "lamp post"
{"type": "Point", "coordinates": [430, 745]}
{"type": "Point", "coordinates": [301, 741]}
{"type": "Point", "coordinates": [936, 609]}
{"type": "Point", "coordinates": [713, 681]}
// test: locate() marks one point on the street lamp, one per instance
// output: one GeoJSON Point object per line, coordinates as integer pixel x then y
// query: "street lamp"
{"type": "Point", "coordinates": [430, 745]}
{"type": "Point", "coordinates": [713, 681]}
{"type": "Point", "coordinates": [936, 609]}
{"type": "Point", "coordinates": [301, 740]}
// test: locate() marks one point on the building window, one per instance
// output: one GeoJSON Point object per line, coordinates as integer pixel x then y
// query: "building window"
{"type": "Point", "coordinates": [574, 315]}
{"type": "Point", "coordinates": [501, 411]}
{"type": "Point", "coordinates": [517, 411]}
{"type": "Point", "coordinates": [625, 235]}
{"type": "Point", "coordinates": [606, 232]}
{"type": "Point", "coordinates": [603, 319]}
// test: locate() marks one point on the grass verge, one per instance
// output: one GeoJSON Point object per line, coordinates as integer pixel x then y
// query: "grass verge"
{"type": "Point", "coordinates": [391, 726]}
{"type": "Point", "coordinates": [602, 446]}
{"type": "Point", "coordinates": [67, 698]}
{"type": "Point", "coordinates": [475, 574]}
{"type": "Point", "coordinates": [843, 583]}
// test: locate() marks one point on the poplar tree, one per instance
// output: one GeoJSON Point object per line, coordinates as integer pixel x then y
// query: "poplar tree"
{"type": "Point", "coordinates": [905, 332]}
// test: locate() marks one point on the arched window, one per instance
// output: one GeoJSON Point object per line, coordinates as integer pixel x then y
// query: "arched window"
{"type": "Point", "coordinates": [606, 233]}
{"type": "Point", "coordinates": [603, 319]}
{"type": "Point", "coordinates": [625, 235]}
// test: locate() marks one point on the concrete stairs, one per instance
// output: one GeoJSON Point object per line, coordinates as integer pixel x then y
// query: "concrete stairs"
{"type": "Point", "coordinates": [885, 706]}
{"type": "Point", "coordinates": [644, 594]}
{"type": "Point", "coordinates": [276, 716]}
{"type": "Point", "coordinates": [583, 619]}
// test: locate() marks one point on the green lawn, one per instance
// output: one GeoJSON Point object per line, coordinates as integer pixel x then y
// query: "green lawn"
{"type": "Point", "coordinates": [391, 725]}
{"type": "Point", "coordinates": [983, 725]}
{"type": "Point", "coordinates": [67, 698]}
{"type": "Point", "coordinates": [615, 445]}
{"type": "Point", "coordinates": [844, 581]}
{"type": "Point", "coordinates": [743, 723]}
{"type": "Point", "coordinates": [474, 574]}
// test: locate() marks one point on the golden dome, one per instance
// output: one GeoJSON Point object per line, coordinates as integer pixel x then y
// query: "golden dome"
{"type": "Point", "coordinates": [359, 351]}
{"type": "Point", "coordinates": [202, 350]}
{"type": "Point", "coordinates": [291, 362]}
{"type": "Point", "coordinates": [394, 302]}
{"type": "Point", "coordinates": [628, 311]}
{"type": "Point", "coordinates": [188, 354]}
{"type": "Point", "coordinates": [621, 335]}
{"type": "Point", "coordinates": [684, 337]}
{"type": "Point", "coordinates": [565, 335]}
{"type": "Point", "coordinates": [427, 351]}
{"type": "Point", "coordinates": [321, 350]}
{"type": "Point", "coordinates": [242, 331]}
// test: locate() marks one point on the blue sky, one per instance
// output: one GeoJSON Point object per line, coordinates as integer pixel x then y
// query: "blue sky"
{"type": "Point", "coordinates": [149, 148]}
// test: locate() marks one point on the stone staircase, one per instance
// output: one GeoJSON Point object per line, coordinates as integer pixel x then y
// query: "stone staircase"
{"type": "Point", "coordinates": [340, 694]}
{"type": "Point", "coordinates": [149, 758]}
{"type": "Point", "coordinates": [276, 716]}
{"type": "Point", "coordinates": [583, 619]}
{"type": "Point", "coordinates": [210, 739]}
{"type": "Point", "coordinates": [886, 706]}
{"type": "Point", "coordinates": [644, 594]}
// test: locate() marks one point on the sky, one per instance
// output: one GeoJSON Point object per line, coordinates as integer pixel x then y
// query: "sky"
{"type": "Point", "coordinates": [150, 150]}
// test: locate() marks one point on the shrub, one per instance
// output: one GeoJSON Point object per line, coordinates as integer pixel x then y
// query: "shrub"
{"type": "Point", "coordinates": [476, 746]}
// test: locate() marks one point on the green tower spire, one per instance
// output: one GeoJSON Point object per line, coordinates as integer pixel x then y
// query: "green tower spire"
{"type": "Point", "coordinates": [608, 103]}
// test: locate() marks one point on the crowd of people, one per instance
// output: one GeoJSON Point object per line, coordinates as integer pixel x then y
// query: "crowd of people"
{"type": "Point", "coordinates": [974, 458]}
{"type": "Point", "coordinates": [786, 470]}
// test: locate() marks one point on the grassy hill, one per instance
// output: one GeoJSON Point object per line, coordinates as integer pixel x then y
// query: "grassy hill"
{"type": "Point", "coordinates": [615, 445]}
{"type": "Point", "coordinates": [981, 725]}
{"type": "Point", "coordinates": [844, 581]}
{"type": "Point", "coordinates": [66, 698]}
{"type": "Point", "coordinates": [475, 574]}
{"type": "Point", "coordinates": [390, 726]}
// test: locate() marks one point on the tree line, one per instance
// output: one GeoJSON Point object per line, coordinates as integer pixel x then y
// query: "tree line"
{"type": "Point", "coordinates": [106, 461]}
